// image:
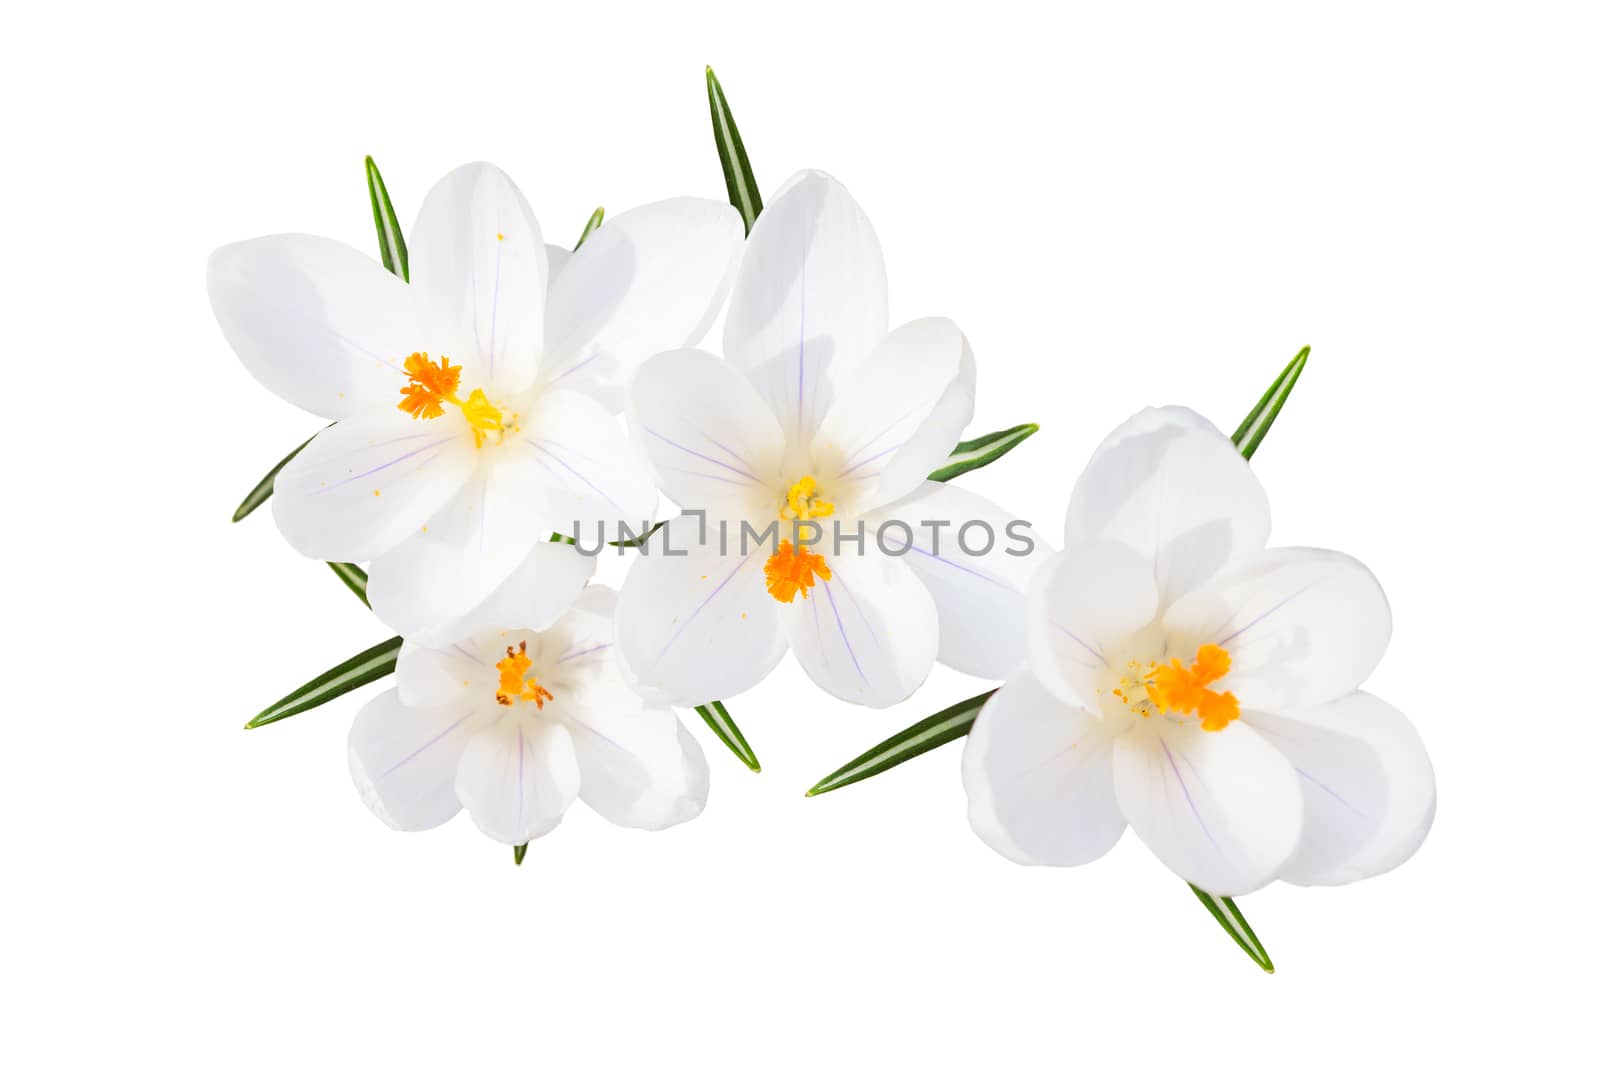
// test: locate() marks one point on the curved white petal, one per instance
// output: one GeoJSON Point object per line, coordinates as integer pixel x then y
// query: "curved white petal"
{"type": "Point", "coordinates": [479, 269]}
{"type": "Point", "coordinates": [697, 627]}
{"type": "Point", "coordinates": [640, 767]}
{"type": "Point", "coordinates": [1304, 625]}
{"type": "Point", "coordinates": [869, 634]}
{"type": "Point", "coordinates": [810, 300]}
{"type": "Point", "coordinates": [706, 432]}
{"type": "Point", "coordinates": [1038, 778]}
{"type": "Point", "coordinates": [367, 483]}
{"type": "Point", "coordinates": [556, 259]}
{"type": "Point", "coordinates": [1222, 809]}
{"type": "Point", "coordinates": [978, 561]}
{"type": "Point", "coordinates": [517, 777]}
{"type": "Point", "coordinates": [900, 412]}
{"type": "Point", "coordinates": [648, 280]}
{"type": "Point", "coordinates": [427, 676]}
{"type": "Point", "coordinates": [1172, 487]}
{"type": "Point", "coordinates": [318, 323]}
{"type": "Point", "coordinates": [587, 471]}
{"type": "Point", "coordinates": [532, 597]}
{"type": "Point", "coordinates": [1367, 782]}
{"type": "Point", "coordinates": [1084, 604]}
{"type": "Point", "coordinates": [403, 759]}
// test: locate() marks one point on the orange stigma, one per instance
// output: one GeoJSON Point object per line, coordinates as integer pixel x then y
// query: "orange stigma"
{"type": "Point", "coordinates": [792, 570]}
{"type": "Point", "coordinates": [1176, 689]}
{"type": "Point", "coordinates": [514, 683]}
{"type": "Point", "coordinates": [433, 385]}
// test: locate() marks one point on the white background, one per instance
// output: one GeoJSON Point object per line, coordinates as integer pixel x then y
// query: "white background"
{"type": "Point", "coordinates": [1120, 209]}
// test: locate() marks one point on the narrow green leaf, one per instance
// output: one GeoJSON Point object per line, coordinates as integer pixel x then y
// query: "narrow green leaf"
{"type": "Point", "coordinates": [716, 716]}
{"type": "Point", "coordinates": [937, 729]}
{"type": "Point", "coordinates": [982, 451]}
{"type": "Point", "coordinates": [1231, 919]}
{"type": "Point", "coordinates": [519, 851]}
{"type": "Point", "coordinates": [258, 496]}
{"type": "Point", "coordinates": [353, 673]}
{"type": "Point", "coordinates": [743, 193]}
{"type": "Point", "coordinates": [589, 227]}
{"type": "Point", "coordinates": [353, 577]}
{"type": "Point", "coordinates": [391, 239]}
{"type": "Point", "coordinates": [1247, 438]}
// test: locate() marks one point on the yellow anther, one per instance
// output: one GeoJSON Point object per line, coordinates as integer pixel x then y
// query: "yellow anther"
{"type": "Point", "coordinates": [804, 503]}
{"type": "Point", "coordinates": [792, 570]}
{"type": "Point", "coordinates": [433, 385]}
{"type": "Point", "coordinates": [514, 683]}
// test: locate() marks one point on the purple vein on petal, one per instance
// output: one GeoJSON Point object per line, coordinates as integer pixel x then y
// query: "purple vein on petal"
{"type": "Point", "coordinates": [1085, 645]}
{"type": "Point", "coordinates": [574, 472]}
{"type": "Point", "coordinates": [1185, 787]}
{"type": "Point", "coordinates": [699, 455]}
{"type": "Point", "coordinates": [583, 652]}
{"type": "Point", "coordinates": [1268, 613]}
{"type": "Point", "coordinates": [701, 607]}
{"type": "Point", "coordinates": [440, 736]}
{"type": "Point", "coordinates": [848, 647]}
{"type": "Point", "coordinates": [380, 467]}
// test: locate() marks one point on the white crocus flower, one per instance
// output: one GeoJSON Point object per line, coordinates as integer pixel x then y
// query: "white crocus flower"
{"type": "Point", "coordinates": [513, 725]}
{"type": "Point", "coordinates": [818, 413]}
{"type": "Point", "coordinates": [471, 404]}
{"type": "Point", "coordinates": [1183, 678]}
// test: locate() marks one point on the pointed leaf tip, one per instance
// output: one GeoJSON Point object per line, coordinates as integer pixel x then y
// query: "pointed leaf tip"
{"type": "Point", "coordinates": [518, 852]}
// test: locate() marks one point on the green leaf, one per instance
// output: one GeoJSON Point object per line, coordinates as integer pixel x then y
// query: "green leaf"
{"type": "Point", "coordinates": [1231, 919]}
{"type": "Point", "coordinates": [353, 577]}
{"type": "Point", "coordinates": [517, 852]}
{"type": "Point", "coordinates": [258, 496]}
{"type": "Point", "coordinates": [722, 724]}
{"type": "Point", "coordinates": [391, 239]}
{"type": "Point", "coordinates": [937, 729]}
{"type": "Point", "coordinates": [1247, 438]}
{"type": "Point", "coordinates": [982, 451]}
{"type": "Point", "coordinates": [743, 193]}
{"type": "Point", "coordinates": [589, 227]}
{"type": "Point", "coordinates": [353, 673]}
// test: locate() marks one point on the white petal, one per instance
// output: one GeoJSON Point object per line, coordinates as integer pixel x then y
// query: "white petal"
{"type": "Point", "coordinates": [869, 634]}
{"type": "Point", "coordinates": [1038, 778]}
{"type": "Point", "coordinates": [981, 588]}
{"type": "Point", "coordinates": [640, 766]}
{"type": "Point", "coordinates": [648, 280]}
{"type": "Point", "coordinates": [478, 266]}
{"type": "Point", "coordinates": [1172, 487]}
{"type": "Point", "coordinates": [318, 323]}
{"type": "Point", "coordinates": [403, 759]}
{"type": "Point", "coordinates": [532, 597]}
{"type": "Point", "coordinates": [1367, 782]}
{"type": "Point", "coordinates": [426, 676]}
{"type": "Point", "coordinates": [707, 433]}
{"type": "Point", "coordinates": [588, 471]}
{"type": "Point", "coordinates": [1084, 605]}
{"type": "Point", "coordinates": [698, 627]}
{"type": "Point", "coordinates": [518, 777]}
{"type": "Point", "coordinates": [367, 483]}
{"type": "Point", "coordinates": [900, 412]}
{"type": "Point", "coordinates": [1222, 809]}
{"type": "Point", "coordinates": [556, 259]}
{"type": "Point", "coordinates": [810, 300]}
{"type": "Point", "coordinates": [1304, 625]}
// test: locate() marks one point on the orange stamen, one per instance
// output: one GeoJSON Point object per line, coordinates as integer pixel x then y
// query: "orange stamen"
{"type": "Point", "coordinates": [792, 570]}
{"type": "Point", "coordinates": [514, 685]}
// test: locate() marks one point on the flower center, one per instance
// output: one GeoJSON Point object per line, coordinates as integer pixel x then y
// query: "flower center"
{"type": "Point", "coordinates": [791, 569]}
{"type": "Point", "coordinates": [1172, 688]}
{"type": "Point", "coordinates": [514, 683]}
{"type": "Point", "coordinates": [433, 385]}
{"type": "Point", "coordinates": [805, 502]}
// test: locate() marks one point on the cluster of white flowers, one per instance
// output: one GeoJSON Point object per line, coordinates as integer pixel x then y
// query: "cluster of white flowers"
{"type": "Point", "coordinates": [1163, 669]}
